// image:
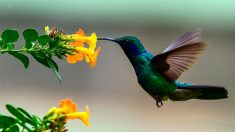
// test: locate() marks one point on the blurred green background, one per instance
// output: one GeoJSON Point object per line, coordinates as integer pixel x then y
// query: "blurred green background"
{"type": "Point", "coordinates": [117, 102]}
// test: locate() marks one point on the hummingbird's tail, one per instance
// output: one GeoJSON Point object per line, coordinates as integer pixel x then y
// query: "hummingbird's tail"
{"type": "Point", "coordinates": [202, 92]}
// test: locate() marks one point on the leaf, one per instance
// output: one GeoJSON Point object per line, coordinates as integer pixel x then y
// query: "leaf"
{"type": "Point", "coordinates": [54, 43]}
{"type": "Point", "coordinates": [10, 46]}
{"type": "Point", "coordinates": [59, 56]}
{"type": "Point", "coordinates": [13, 128]}
{"type": "Point", "coordinates": [44, 39]}
{"type": "Point", "coordinates": [28, 45]}
{"type": "Point", "coordinates": [54, 68]}
{"type": "Point", "coordinates": [30, 35]}
{"type": "Point", "coordinates": [43, 61]}
{"type": "Point", "coordinates": [49, 63]}
{"type": "Point", "coordinates": [29, 118]}
{"type": "Point", "coordinates": [41, 55]}
{"type": "Point", "coordinates": [54, 63]}
{"type": "Point", "coordinates": [1, 43]}
{"type": "Point", "coordinates": [16, 113]}
{"type": "Point", "coordinates": [40, 60]}
{"type": "Point", "coordinates": [21, 57]}
{"type": "Point", "coordinates": [23, 111]}
{"type": "Point", "coordinates": [36, 120]}
{"type": "Point", "coordinates": [10, 36]}
{"type": "Point", "coordinates": [6, 121]}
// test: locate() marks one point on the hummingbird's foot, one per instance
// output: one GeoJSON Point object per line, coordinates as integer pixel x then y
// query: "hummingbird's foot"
{"type": "Point", "coordinates": [159, 101]}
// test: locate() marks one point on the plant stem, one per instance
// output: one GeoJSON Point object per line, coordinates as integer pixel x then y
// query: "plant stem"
{"type": "Point", "coordinates": [20, 50]}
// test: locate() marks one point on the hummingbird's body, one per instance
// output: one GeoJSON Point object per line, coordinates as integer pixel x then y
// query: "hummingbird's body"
{"type": "Point", "coordinates": [157, 74]}
{"type": "Point", "coordinates": [152, 82]}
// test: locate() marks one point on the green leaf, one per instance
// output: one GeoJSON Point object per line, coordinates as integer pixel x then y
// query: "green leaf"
{"type": "Point", "coordinates": [29, 118]}
{"type": "Point", "coordinates": [23, 111]}
{"type": "Point", "coordinates": [59, 56]}
{"type": "Point", "coordinates": [1, 42]}
{"type": "Point", "coordinates": [28, 45]}
{"type": "Point", "coordinates": [41, 55]}
{"type": "Point", "coordinates": [16, 113]}
{"type": "Point", "coordinates": [6, 121]}
{"type": "Point", "coordinates": [10, 46]}
{"type": "Point", "coordinates": [21, 57]}
{"type": "Point", "coordinates": [30, 35]}
{"type": "Point", "coordinates": [40, 60]}
{"type": "Point", "coordinates": [44, 39]}
{"type": "Point", "coordinates": [36, 120]}
{"type": "Point", "coordinates": [49, 63]}
{"type": "Point", "coordinates": [43, 61]}
{"type": "Point", "coordinates": [53, 67]}
{"type": "Point", "coordinates": [54, 63]}
{"type": "Point", "coordinates": [10, 36]}
{"type": "Point", "coordinates": [13, 128]}
{"type": "Point", "coordinates": [54, 43]}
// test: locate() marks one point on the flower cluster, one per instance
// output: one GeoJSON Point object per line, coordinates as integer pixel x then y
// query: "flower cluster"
{"type": "Point", "coordinates": [54, 121]}
{"type": "Point", "coordinates": [67, 111]}
{"type": "Point", "coordinates": [78, 41]}
{"type": "Point", "coordinates": [54, 43]}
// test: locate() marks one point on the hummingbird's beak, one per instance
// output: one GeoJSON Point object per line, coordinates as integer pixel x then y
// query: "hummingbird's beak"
{"type": "Point", "coordinates": [109, 39]}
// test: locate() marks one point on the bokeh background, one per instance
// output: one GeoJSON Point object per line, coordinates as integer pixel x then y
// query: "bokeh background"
{"type": "Point", "coordinates": [117, 102]}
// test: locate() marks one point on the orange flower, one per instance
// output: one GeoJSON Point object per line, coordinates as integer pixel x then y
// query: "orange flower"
{"type": "Point", "coordinates": [76, 44]}
{"type": "Point", "coordinates": [67, 106]}
{"type": "Point", "coordinates": [69, 109]}
{"type": "Point", "coordinates": [78, 56]}
{"type": "Point", "coordinates": [80, 51]}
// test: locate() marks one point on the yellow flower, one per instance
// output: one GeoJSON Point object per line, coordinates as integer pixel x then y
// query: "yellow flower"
{"type": "Point", "coordinates": [90, 53]}
{"type": "Point", "coordinates": [47, 29]}
{"type": "Point", "coordinates": [77, 40]}
{"type": "Point", "coordinates": [67, 106]}
{"type": "Point", "coordinates": [83, 116]}
{"type": "Point", "coordinates": [68, 109]}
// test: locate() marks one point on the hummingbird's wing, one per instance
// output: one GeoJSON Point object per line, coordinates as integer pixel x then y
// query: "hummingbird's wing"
{"type": "Point", "coordinates": [179, 55]}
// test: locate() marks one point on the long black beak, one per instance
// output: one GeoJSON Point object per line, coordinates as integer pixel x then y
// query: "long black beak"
{"type": "Point", "coordinates": [109, 39]}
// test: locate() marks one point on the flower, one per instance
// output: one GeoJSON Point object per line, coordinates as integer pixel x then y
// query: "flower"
{"type": "Point", "coordinates": [83, 116]}
{"type": "Point", "coordinates": [67, 106]}
{"type": "Point", "coordinates": [74, 45]}
{"type": "Point", "coordinates": [68, 110]}
{"type": "Point", "coordinates": [90, 53]}
{"type": "Point", "coordinates": [47, 29]}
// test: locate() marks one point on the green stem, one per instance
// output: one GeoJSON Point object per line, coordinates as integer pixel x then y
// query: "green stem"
{"type": "Point", "coordinates": [37, 49]}
{"type": "Point", "coordinates": [20, 50]}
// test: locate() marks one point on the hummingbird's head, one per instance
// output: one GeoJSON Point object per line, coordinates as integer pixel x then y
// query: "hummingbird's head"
{"type": "Point", "coordinates": [130, 44]}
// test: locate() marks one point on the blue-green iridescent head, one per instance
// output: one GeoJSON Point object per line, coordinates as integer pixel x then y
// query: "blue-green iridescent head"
{"type": "Point", "coordinates": [130, 44]}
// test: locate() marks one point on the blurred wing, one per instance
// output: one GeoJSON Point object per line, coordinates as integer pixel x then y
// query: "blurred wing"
{"type": "Point", "coordinates": [179, 56]}
{"type": "Point", "coordinates": [188, 38]}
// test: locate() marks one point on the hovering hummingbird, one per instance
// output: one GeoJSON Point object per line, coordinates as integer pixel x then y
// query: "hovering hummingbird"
{"type": "Point", "coordinates": [158, 74]}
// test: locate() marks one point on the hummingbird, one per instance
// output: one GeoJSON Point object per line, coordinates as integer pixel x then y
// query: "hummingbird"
{"type": "Point", "coordinates": [158, 74]}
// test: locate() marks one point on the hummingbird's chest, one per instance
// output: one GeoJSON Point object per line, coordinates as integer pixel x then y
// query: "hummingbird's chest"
{"type": "Point", "coordinates": [155, 84]}
{"type": "Point", "coordinates": [151, 81]}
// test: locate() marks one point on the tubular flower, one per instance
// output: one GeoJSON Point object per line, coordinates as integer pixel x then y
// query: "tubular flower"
{"type": "Point", "coordinates": [90, 53]}
{"type": "Point", "coordinates": [68, 110]}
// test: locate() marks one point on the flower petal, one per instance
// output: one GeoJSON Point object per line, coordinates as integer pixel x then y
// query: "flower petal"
{"type": "Point", "coordinates": [81, 51]}
{"type": "Point", "coordinates": [68, 106]}
{"type": "Point", "coordinates": [81, 33]}
{"type": "Point", "coordinates": [92, 41]}
{"type": "Point", "coordinates": [83, 116]}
